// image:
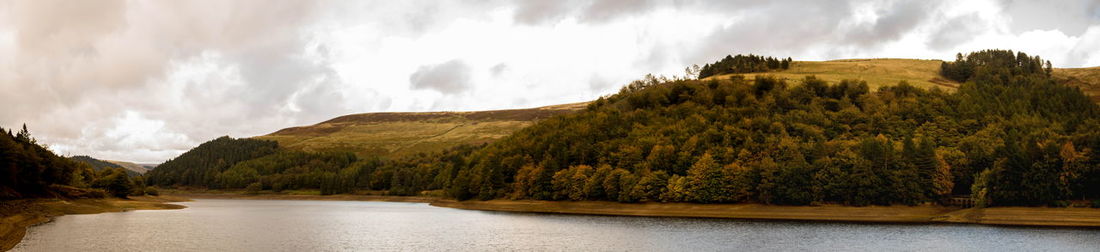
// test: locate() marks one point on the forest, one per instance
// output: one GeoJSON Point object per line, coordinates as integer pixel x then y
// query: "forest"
{"type": "Point", "coordinates": [743, 64]}
{"type": "Point", "coordinates": [1008, 136]}
{"type": "Point", "coordinates": [29, 170]}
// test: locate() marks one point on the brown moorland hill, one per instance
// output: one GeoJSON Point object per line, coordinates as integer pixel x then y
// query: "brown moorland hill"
{"type": "Point", "coordinates": [395, 134]}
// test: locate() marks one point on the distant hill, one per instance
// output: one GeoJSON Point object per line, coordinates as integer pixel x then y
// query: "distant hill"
{"type": "Point", "coordinates": [142, 169]}
{"type": "Point", "coordinates": [401, 134]}
{"type": "Point", "coordinates": [99, 164]}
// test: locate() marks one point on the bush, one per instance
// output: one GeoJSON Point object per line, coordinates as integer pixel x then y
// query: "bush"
{"type": "Point", "coordinates": [1096, 204]}
{"type": "Point", "coordinates": [78, 193]}
{"type": "Point", "coordinates": [254, 188]}
{"type": "Point", "coordinates": [1061, 203]}
{"type": "Point", "coordinates": [152, 191]}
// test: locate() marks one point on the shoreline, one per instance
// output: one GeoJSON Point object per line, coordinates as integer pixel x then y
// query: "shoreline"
{"type": "Point", "coordinates": [1000, 216]}
{"type": "Point", "coordinates": [925, 214]}
{"type": "Point", "coordinates": [18, 215]}
{"type": "Point", "coordinates": [337, 197]}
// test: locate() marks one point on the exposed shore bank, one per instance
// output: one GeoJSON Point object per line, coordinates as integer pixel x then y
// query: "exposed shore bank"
{"type": "Point", "coordinates": [1015, 216]}
{"type": "Point", "coordinates": [17, 215]}
{"type": "Point", "coordinates": [338, 197]}
{"type": "Point", "coordinates": [927, 214]}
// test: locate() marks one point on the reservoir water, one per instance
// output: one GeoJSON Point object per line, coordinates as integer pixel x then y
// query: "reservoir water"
{"type": "Point", "coordinates": [283, 225]}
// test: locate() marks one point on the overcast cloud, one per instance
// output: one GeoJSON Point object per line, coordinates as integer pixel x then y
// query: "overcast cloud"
{"type": "Point", "coordinates": [146, 80]}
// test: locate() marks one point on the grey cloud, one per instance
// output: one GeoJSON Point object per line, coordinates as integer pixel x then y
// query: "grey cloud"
{"type": "Point", "coordinates": [895, 19]}
{"type": "Point", "coordinates": [450, 77]}
{"type": "Point", "coordinates": [90, 60]}
{"type": "Point", "coordinates": [533, 12]}
{"type": "Point", "coordinates": [774, 29]}
{"type": "Point", "coordinates": [956, 31]}
{"type": "Point", "coordinates": [599, 84]}
{"type": "Point", "coordinates": [1072, 17]}
{"type": "Point", "coordinates": [498, 69]}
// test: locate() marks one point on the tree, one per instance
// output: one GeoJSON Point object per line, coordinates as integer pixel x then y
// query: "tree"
{"type": "Point", "coordinates": [118, 184]}
{"type": "Point", "coordinates": [706, 181]}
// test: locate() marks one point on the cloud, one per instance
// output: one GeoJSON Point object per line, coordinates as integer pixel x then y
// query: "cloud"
{"type": "Point", "coordinates": [449, 77]}
{"type": "Point", "coordinates": [956, 31]}
{"type": "Point", "coordinates": [79, 63]}
{"type": "Point", "coordinates": [536, 12]}
{"type": "Point", "coordinates": [498, 69]}
{"type": "Point", "coordinates": [145, 81]}
{"type": "Point", "coordinates": [1072, 17]}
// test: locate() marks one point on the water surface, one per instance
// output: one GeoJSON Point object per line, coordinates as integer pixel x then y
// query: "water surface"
{"type": "Point", "coordinates": [285, 225]}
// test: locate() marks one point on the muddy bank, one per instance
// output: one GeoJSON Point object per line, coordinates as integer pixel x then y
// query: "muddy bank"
{"type": "Point", "coordinates": [1020, 216]}
{"type": "Point", "coordinates": [17, 215]}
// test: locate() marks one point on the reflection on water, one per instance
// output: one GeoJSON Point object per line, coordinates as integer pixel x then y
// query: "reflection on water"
{"type": "Point", "coordinates": [280, 225]}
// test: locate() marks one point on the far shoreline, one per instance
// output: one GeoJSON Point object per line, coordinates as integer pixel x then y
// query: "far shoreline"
{"type": "Point", "coordinates": [923, 214]}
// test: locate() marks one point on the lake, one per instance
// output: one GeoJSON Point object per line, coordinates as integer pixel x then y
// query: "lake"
{"type": "Point", "coordinates": [286, 225]}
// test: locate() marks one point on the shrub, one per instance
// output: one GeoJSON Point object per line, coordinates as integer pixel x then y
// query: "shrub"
{"type": "Point", "coordinates": [254, 188]}
{"type": "Point", "coordinates": [1096, 203]}
{"type": "Point", "coordinates": [152, 191]}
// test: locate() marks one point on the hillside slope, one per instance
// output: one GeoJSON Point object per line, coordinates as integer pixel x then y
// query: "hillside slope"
{"type": "Point", "coordinates": [1088, 79]}
{"type": "Point", "coordinates": [141, 169]}
{"type": "Point", "coordinates": [877, 72]}
{"type": "Point", "coordinates": [919, 73]}
{"type": "Point", "coordinates": [100, 164]}
{"type": "Point", "coordinates": [401, 134]}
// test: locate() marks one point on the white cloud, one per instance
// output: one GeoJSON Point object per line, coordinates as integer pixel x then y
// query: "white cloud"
{"type": "Point", "coordinates": [145, 81]}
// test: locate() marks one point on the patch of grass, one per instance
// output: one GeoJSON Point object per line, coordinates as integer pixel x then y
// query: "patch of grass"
{"type": "Point", "coordinates": [1088, 79]}
{"type": "Point", "coordinates": [877, 72]}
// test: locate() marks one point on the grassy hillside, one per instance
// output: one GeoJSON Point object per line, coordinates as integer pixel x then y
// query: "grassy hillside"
{"type": "Point", "coordinates": [1088, 79]}
{"type": "Point", "coordinates": [877, 72]}
{"type": "Point", "coordinates": [401, 134]}
{"type": "Point", "coordinates": [920, 73]}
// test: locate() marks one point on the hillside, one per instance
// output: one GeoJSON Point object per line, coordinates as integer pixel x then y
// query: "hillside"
{"type": "Point", "coordinates": [920, 73]}
{"type": "Point", "coordinates": [400, 134]}
{"type": "Point", "coordinates": [1088, 79]}
{"type": "Point", "coordinates": [99, 164]}
{"type": "Point", "coordinates": [140, 169]}
{"type": "Point", "coordinates": [877, 72]}
{"type": "Point", "coordinates": [1010, 135]}
{"type": "Point", "coordinates": [29, 170]}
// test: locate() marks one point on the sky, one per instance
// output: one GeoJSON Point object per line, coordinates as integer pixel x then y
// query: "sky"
{"type": "Point", "coordinates": [145, 81]}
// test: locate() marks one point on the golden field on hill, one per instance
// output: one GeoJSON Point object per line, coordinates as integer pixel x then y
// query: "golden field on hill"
{"type": "Point", "coordinates": [1088, 79]}
{"type": "Point", "coordinates": [920, 73]}
{"type": "Point", "coordinates": [877, 72]}
{"type": "Point", "coordinates": [401, 134]}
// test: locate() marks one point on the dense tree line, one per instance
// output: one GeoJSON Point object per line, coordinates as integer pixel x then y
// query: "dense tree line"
{"type": "Point", "coordinates": [256, 165]}
{"type": "Point", "coordinates": [28, 169]}
{"type": "Point", "coordinates": [969, 65]}
{"type": "Point", "coordinates": [202, 165]}
{"type": "Point", "coordinates": [743, 64]}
